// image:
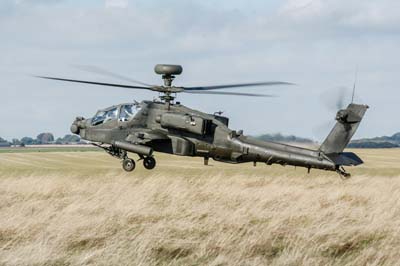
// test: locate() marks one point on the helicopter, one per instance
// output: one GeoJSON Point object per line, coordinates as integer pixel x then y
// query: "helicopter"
{"type": "Point", "coordinates": [165, 125]}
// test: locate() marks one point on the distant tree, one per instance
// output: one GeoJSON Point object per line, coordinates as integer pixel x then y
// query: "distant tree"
{"type": "Point", "coordinates": [16, 142]}
{"type": "Point", "coordinates": [4, 143]}
{"type": "Point", "coordinates": [71, 139]}
{"type": "Point", "coordinates": [45, 138]}
{"type": "Point", "coordinates": [378, 142]}
{"type": "Point", "coordinates": [27, 141]}
{"type": "Point", "coordinates": [396, 137]}
{"type": "Point", "coordinates": [68, 139]}
{"type": "Point", "coordinates": [372, 145]}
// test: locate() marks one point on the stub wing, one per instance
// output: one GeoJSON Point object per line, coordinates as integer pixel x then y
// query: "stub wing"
{"type": "Point", "coordinates": [144, 136]}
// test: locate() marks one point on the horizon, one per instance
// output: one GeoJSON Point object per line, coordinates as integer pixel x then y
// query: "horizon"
{"type": "Point", "coordinates": [272, 134]}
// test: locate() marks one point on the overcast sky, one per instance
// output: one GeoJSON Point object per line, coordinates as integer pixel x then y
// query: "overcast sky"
{"type": "Point", "coordinates": [316, 44]}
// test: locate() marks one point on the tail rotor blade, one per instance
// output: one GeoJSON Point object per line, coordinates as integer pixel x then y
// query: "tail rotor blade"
{"type": "Point", "coordinates": [341, 97]}
{"type": "Point", "coordinates": [335, 98]}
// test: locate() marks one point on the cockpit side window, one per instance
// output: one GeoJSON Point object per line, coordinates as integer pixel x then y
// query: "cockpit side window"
{"type": "Point", "coordinates": [127, 112]}
{"type": "Point", "coordinates": [104, 116]}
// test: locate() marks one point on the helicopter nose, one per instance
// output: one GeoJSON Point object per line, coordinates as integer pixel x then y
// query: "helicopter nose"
{"type": "Point", "coordinates": [77, 125]}
{"type": "Point", "coordinates": [74, 129]}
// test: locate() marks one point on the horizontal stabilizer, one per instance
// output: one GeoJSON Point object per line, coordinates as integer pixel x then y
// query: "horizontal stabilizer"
{"type": "Point", "coordinates": [345, 158]}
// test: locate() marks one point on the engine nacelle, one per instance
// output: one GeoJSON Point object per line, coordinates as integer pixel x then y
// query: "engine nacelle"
{"type": "Point", "coordinates": [189, 123]}
{"type": "Point", "coordinates": [223, 119]}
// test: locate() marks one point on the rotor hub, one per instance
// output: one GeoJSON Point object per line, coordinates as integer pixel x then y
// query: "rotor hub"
{"type": "Point", "coordinates": [168, 73]}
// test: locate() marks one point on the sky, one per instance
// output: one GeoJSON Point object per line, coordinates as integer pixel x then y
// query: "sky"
{"type": "Point", "coordinates": [319, 45]}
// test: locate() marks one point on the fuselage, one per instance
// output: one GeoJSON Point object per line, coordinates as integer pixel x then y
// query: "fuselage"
{"type": "Point", "coordinates": [177, 129]}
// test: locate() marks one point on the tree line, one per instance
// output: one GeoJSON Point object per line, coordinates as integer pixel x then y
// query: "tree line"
{"type": "Point", "coordinates": [42, 138]}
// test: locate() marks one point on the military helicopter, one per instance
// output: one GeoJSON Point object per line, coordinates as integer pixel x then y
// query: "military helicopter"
{"type": "Point", "coordinates": [167, 126]}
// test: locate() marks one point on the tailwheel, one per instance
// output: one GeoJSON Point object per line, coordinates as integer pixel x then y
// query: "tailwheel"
{"type": "Point", "coordinates": [149, 163]}
{"type": "Point", "coordinates": [342, 173]}
{"type": "Point", "coordinates": [128, 164]}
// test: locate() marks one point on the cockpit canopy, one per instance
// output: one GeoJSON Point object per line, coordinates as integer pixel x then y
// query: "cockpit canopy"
{"type": "Point", "coordinates": [122, 112]}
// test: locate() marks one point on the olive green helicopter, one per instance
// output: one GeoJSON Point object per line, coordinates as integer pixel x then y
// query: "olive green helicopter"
{"type": "Point", "coordinates": [165, 125]}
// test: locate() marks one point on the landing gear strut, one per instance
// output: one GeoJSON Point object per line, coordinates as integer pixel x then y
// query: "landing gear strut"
{"type": "Point", "coordinates": [342, 173]}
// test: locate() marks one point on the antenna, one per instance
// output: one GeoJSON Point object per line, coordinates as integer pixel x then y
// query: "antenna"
{"type": "Point", "coordinates": [354, 85]}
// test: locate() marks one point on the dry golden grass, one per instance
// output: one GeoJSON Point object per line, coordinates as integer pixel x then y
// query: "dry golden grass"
{"type": "Point", "coordinates": [83, 209]}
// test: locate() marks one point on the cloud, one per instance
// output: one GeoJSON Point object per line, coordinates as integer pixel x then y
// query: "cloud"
{"type": "Point", "coordinates": [116, 3]}
{"type": "Point", "coordinates": [314, 43]}
{"type": "Point", "coordinates": [344, 15]}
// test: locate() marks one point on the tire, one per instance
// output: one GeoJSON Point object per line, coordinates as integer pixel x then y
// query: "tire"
{"type": "Point", "coordinates": [149, 163]}
{"type": "Point", "coordinates": [128, 165]}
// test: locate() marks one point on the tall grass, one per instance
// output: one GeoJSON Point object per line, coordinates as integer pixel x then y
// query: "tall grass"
{"type": "Point", "coordinates": [82, 209]}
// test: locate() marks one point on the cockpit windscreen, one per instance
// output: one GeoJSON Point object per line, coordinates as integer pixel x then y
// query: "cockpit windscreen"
{"type": "Point", "coordinates": [104, 116]}
{"type": "Point", "coordinates": [123, 112]}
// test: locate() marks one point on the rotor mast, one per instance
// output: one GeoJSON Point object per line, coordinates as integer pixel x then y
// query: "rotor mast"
{"type": "Point", "coordinates": [168, 73]}
{"type": "Point", "coordinates": [168, 80]}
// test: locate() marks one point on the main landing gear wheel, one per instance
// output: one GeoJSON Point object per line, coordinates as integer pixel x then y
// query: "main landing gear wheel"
{"type": "Point", "coordinates": [128, 164]}
{"type": "Point", "coordinates": [149, 163]}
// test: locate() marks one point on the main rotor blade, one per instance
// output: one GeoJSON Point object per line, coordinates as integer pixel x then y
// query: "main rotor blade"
{"type": "Point", "coordinates": [100, 83]}
{"type": "Point", "coordinates": [101, 71]}
{"type": "Point", "coordinates": [217, 87]}
{"type": "Point", "coordinates": [230, 93]}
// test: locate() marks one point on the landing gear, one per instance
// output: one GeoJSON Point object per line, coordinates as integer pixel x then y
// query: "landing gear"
{"type": "Point", "coordinates": [149, 163]}
{"type": "Point", "coordinates": [342, 173]}
{"type": "Point", "coordinates": [128, 164]}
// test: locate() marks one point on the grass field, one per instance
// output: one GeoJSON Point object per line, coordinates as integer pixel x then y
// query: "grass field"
{"type": "Point", "coordinates": [81, 208]}
{"type": "Point", "coordinates": [48, 149]}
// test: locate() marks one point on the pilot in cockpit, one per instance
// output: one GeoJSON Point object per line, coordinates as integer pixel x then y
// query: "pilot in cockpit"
{"type": "Point", "coordinates": [127, 112]}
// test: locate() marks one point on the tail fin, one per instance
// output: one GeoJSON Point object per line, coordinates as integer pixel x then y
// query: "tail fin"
{"type": "Point", "coordinates": [348, 121]}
